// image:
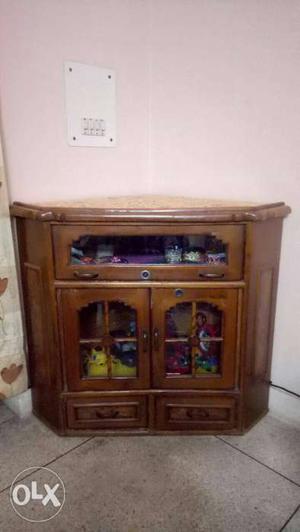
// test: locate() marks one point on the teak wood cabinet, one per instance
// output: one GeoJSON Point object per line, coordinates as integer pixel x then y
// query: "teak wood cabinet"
{"type": "Point", "coordinates": [150, 314]}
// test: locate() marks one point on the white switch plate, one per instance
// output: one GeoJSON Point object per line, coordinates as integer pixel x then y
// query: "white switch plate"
{"type": "Point", "coordinates": [90, 105]}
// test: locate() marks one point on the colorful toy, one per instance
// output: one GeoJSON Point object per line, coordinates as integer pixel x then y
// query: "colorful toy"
{"type": "Point", "coordinates": [124, 359]}
{"type": "Point", "coordinates": [206, 361]}
{"type": "Point", "coordinates": [122, 366]}
{"type": "Point", "coordinates": [205, 330]}
{"type": "Point", "coordinates": [122, 370]}
{"type": "Point", "coordinates": [178, 361]}
{"type": "Point", "coordinates": [97, 363]}
{"type": "Point", "coordinates": [206, 364]}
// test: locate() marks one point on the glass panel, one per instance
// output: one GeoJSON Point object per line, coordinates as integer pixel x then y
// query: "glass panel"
{"type": "Point", "coordinates": [150, 249]}
{"type": "Point", "coordinates": [200, 325]}
{"type": "Point", "coordinates": [208, 321]}
{"type": "Point", "coordinates": [94, 361]}
{"type": "Point", "coordinates": [108, 343]}
{"type": "Point", "coordinates": [124, 359]}
{"type": "Point", "coordinates": [91, 320]}
{"type": "Point", "coordinates": [122, 320]}
{"type": "Point", "coordinates": [207, 357]}
{"type": "Point", "coordinates": [179, 321]}
{"type": "Point", "coordinates": [208, 326]}
{"type": "Point", "coordinates": [178, 358]}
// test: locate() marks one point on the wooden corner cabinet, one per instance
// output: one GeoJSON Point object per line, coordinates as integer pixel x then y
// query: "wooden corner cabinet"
{"type": "Point", "coordinates": [149, 315]}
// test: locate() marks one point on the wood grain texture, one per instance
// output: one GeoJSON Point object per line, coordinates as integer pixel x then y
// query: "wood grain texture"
{"type": "Point", "coordinates": [262, 268]}
{"type": "Point", "coordinates": [232, 236]}
{"type": "Point", "coordinates": [157, 208]}
{"type": "Point", "coordinates": [107, 412]}
{"type": "Point", "coordinates": [226, 301]}
{"type": "Point", "coordinates": [36, 262]}
{"type": "Point", "coordinates": [194, 413]}
{"type": "Point", "coordinates": [73, 301]}
{"type": "Point", "coordinates": [152, 403]}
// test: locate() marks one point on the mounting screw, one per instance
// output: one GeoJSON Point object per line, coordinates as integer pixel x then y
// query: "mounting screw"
{"type": "Point", "coordinates": [74, 138]}
{"type": "Point", "coordinates": [70, 69]}
{"type": "Point", "coordinates": [111, 140]}
{"type": "Point", "coordinates": [109, 76]}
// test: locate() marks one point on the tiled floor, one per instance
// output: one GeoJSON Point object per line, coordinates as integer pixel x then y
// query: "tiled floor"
{"type": "Point", "coordinates": [157, 484]}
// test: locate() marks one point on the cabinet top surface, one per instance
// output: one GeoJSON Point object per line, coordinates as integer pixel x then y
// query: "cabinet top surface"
{"type": "Point", "coordinates": [154, 207]}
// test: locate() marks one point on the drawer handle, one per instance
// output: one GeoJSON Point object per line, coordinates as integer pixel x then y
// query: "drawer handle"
{"type": "Point", "coordinates": [108, 414]}
{"type": "Point", "coordinates": [86, 275]}
{"type": "Point", "coordinates": [212, 275]}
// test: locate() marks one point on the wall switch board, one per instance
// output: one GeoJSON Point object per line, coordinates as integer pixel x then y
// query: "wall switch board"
{"type": "Point", "coordinates": [90, 105]}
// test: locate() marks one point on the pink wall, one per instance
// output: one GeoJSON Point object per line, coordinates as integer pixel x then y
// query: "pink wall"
{"type": "Point", "coordinates": [36, 37]}
{"type": "Point", "coordinates": [208, 104]}
{"type": "Point", "coordinates": [225, 95]}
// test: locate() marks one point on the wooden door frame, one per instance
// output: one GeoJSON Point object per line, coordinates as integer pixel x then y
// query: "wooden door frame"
{"type": "Point", "coordinates": [69, 302]}
{"type": "Point", "coordinates": [227, 300]}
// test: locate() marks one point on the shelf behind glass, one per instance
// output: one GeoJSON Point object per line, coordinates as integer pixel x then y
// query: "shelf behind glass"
{"type": "Point", "coordinates": [203, 249]}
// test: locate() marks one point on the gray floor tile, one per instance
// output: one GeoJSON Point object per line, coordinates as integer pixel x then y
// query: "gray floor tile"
{"type": "Point", "coordinates": [273, 442]}
{"type": "Point", "coordinates": [28, 442]}
{"type": "Point", "coordinates": [5, 413]}
{"type": "Point", "coordinates": [294, 523]}
{"type": "Point", "coordinates": [165, 484]}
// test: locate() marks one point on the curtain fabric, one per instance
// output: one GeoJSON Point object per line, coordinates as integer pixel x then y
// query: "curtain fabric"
{"type": "Point", "coordinates": [13, 374]}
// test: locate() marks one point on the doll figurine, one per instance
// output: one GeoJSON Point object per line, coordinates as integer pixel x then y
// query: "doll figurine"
{"type": "Point", "coordinates": [206, 360]}
{"type": "Point", "coordinates": [205, 330]}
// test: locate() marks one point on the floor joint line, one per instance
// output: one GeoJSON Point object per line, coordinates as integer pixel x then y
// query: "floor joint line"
{"type": "Point", "coordinates": [51, 461]}
{"type": "Point", "coordinates": [258, 461]}
{"type": "Point", "coordinates": [290, 518]}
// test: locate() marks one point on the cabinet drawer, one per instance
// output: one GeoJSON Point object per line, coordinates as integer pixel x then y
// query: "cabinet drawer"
{"type": "Point", "coordinates": [175, 412]}
{"type": "Point", "coordinates": [145, 253]}
{"type": "Point", "coordinates": [107, 412]}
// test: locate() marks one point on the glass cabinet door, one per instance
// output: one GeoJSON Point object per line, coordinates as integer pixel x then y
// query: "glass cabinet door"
{"type": "Point", "coordinates": [180, 249]}
{"type": "Point", "coordinates": [106, 338]}
{"type": "Point", "coordinates": [147, 252]}
{"type": "Point", "coordinates": [195, 337]}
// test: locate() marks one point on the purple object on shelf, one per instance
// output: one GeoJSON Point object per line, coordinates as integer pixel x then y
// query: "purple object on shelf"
{"type": "Point", "coordinates": [145, 259]}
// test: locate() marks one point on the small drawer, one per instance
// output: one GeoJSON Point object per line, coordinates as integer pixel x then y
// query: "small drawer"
{"type": "Point", "coordinates": [149, 252]}
{"type": "Point", "coordinates": [175, 412]}
{"type": "Point", "coordinates": [107, 412]}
